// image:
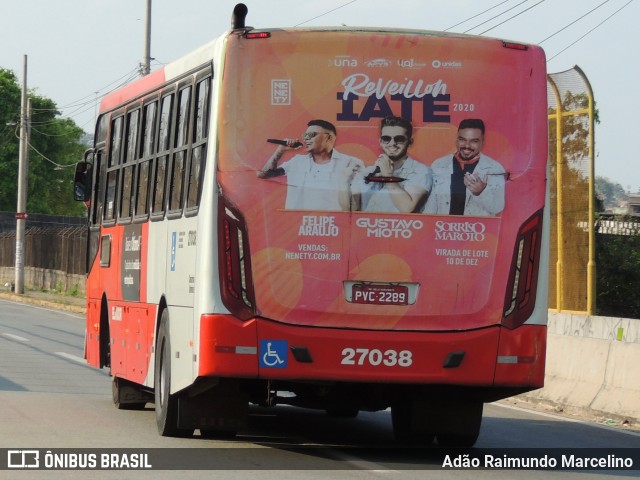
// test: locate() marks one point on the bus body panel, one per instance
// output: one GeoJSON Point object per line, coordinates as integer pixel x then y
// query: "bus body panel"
{"type": "Point", "coordinates": [262, 349]}
{"type": "Point", "coordinates": [179, 286]}
{"type": "Point", "coordinates": [182, 347]}
{"type": "Point", "coordinates": [521, 357]}
{"type": "Point", "coordinates": [334, 297]}
{"type": "Point", "coordinates": [228, 348]}
{"type": "Point", "coordinates": [159, 254]}
{"type": "Point", "coordinates": [92, 333]}
{"type": "Point", "coordinates": [402, 357]}
{"type": "Point", "coordinates": [457, 264]}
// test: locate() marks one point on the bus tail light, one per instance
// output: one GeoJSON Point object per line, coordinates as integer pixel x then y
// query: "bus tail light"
{"type": "Point", "coordinates": [257, 35]}
{"type": "Point", "coordinates": [234, 261]}
{"type": "Point", "coordinates": [523, 275]}
{"type": "Point", "coordinates": [515, 46]}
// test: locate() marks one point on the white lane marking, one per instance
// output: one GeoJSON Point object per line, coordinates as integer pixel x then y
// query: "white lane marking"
{"type": "Point", "coordinates": [73, 358]}
{"type": "Point", "coordinates": [10, 336]}
{"type": "Point", "coordinates": [364, 465]}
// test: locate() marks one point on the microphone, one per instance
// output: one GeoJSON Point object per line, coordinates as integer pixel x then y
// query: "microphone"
{"type": "Point", "coordinates": [369, 177]}
{"type": "Point", "coordinates": [283, 142]}
{"type": "Point", "coordinates": [372, 178]}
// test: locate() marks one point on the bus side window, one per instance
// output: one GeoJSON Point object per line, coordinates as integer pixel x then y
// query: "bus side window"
{"type": "Point", "coordinates": [113, 169]}
{"type": "Point", "coordinates": [127, 198]}
{"type": "Point", "coordinates": [147, 149]}
{"type": "Point", "coordinates": [100, 169]}
{"type": "Point", "coordinates": [181, 144]}
{"type": "Point", "coordinates": [199, 148]}
{"type": "Point", "coordinates": [164, 145]}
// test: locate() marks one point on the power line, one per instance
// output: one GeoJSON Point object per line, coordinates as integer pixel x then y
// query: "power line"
{"type": "Point", "coordinates": [476, 15]}
{"type": "Point", "coordinates": [511, 18]}
{"type": "Point", "coordinates": [576, 20]}
{"type": "Point", "coordinates": [57, 165]}
{"type": "Point", "coordinates": [598, 25]}
{"type": "Point", "coordinates": [80, 108]}
{"type": "Point", "coordinates": [45, 134]}
{"type": "Point", "coordinates": [496, 16]}
{"type": "Point", "coordinates": [126, 75]}
{"type": "Point", "coordinates": [326, 13]}
{"type": "Point", "coordinates": [81, 101]}
{"type": "Point", "coordinates": [132, 75]}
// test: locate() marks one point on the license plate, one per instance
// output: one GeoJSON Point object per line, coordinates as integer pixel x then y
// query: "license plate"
{"type": "Point", "coordinates": [380, 294]}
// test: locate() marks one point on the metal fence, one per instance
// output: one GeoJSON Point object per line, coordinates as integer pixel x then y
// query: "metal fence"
{"type": "Point", "coordinates": [48, 248]}
{"type": "Point", "coordinates": [571, 145]}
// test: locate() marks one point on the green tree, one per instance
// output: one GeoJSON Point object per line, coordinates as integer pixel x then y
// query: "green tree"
{"type": "Point", "coordinates": [9, 119]}
{"type": "Point", "coordinates": [54, 141]}
{"type": "Point", "coordinates": [611, 194]}
{"type": "Point", "coordinates": [618, 260]}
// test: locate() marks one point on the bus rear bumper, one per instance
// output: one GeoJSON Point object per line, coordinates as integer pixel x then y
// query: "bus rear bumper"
{"type": "Point", "coordinates": [262, 349]}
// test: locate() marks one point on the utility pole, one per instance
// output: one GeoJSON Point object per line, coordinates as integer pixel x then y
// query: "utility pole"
{"type": "Point", "coordinates": [23, 169]}
{"type": "Point", "coordinates": [145, 67]}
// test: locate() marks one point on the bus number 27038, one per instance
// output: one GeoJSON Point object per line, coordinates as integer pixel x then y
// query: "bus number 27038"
{"type": "Point", "coordinates": [375, 357]}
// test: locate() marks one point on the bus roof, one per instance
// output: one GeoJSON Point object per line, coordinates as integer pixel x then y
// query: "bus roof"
{"type": "Point", "coordinates": [205, 54]}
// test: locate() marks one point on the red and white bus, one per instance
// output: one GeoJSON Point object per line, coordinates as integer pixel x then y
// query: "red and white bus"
{"type": "Point", "coordinates": [215, 283]}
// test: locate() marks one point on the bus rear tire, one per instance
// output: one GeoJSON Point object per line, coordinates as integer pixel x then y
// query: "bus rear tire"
{"type": "Point", "coordinates": [463, 421]}
{"type": "Point", "coordinates": [410, 421]}
{"type": "Point", "coordinates": [166, 404]}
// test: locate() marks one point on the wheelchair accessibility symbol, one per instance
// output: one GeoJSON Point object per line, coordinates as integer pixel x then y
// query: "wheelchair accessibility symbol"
{"type": "Point", "coordinates": [273, 353]}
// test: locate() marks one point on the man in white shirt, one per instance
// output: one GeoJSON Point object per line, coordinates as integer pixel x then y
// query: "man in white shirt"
{"type": "Point", "coordinates": [467, 182]}
{"type": "Point", "coordinates": [378, 190]}
{"type": "Point", "coordinates": [321, 179]}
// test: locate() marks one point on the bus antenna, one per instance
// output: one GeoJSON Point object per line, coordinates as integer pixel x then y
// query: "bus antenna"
{"type": "Point", "coordinates": [239, 14]}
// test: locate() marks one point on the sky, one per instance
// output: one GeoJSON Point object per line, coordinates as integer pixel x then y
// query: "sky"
{"type": "Point", "coordinates": [78, 50]}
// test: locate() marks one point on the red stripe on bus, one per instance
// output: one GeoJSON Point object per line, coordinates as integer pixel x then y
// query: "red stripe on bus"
{"type": "Point", "coordinates": [135, 89]}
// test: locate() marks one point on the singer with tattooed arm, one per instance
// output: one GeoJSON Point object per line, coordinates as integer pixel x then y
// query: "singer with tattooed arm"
{"type": "Point", "coordinates": [321, 178]}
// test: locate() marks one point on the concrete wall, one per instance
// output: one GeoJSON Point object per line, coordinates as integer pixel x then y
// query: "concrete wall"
{"type": "Point", "coordinates": [593, 364]}
{"type": "Point", "coordinates": [45, 279]}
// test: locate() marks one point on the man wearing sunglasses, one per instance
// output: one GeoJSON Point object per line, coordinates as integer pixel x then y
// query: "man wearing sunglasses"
{"type": "Point", "coordinates": [469, 182]}
{"type": "Point", "coordinates": [396, 182]}
{"type": "Point", "coordinates": [322, 178]}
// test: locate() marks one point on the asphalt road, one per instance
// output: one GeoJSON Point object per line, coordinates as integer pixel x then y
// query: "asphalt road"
{"type": "Point", "coordinates": [51, 400]}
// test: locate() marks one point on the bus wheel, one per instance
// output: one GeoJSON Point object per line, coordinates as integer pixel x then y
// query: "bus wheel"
{"type": "Point", "coordinates": [165, 403]}
{"type": "Point", "coordinates": [127, 395]}
{"type": "Point", "coordinates": [462, 428]}
{"type": "Point", "coordinates": [410, 421]}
